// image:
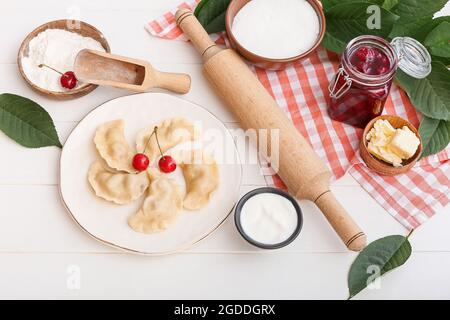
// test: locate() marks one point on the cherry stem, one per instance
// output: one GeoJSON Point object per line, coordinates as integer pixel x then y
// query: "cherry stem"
{"type": "Point", "coordinates": [46, 66]}
{"type": "Point", "coordinates": [148, 140]}
{"type": "Point", "coordinates": [157, 141]}
{"type": "Point", "coordinates": [155, 132]}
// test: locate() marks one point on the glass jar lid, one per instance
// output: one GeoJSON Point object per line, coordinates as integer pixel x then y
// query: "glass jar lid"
{"type": "Point", "coordinates": [413, 58]}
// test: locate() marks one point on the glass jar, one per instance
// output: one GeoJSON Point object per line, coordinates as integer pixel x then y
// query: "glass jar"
{"type": "Point", "coordinates": [368, 66]}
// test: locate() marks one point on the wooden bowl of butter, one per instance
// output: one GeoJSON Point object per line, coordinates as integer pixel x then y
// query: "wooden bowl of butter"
{"type": "Point", "coordinates": [390, 145]}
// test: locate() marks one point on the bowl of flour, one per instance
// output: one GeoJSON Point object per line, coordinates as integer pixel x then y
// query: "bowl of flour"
{"type": "Point", "coordinates": [275, 34]}
{"type": "Point", "coordinates": [57, 44]}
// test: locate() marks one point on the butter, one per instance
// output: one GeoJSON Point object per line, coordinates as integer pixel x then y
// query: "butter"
{"type": "Point", "coordinates": [391, 145]}
{"type": "Point", "coordinates": [404, 143]}
{"type": "Point", "coordinates": [383, 153]}
{"type": "Point", "coordinates": [381, 133]}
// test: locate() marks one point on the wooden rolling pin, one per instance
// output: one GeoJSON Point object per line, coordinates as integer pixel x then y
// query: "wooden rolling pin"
{"type": "Point", "coordinates": [301, 169]}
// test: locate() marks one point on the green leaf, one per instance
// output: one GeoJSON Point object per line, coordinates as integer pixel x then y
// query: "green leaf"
{"type": "Point", "coordinates": [431, 95]}
{"type": "Point", "coordinates": [444, 61]}
{"type": "Point", "coordinates": [378, 258]}
{"type": "Point", "coordinates": [409, 10]}
{"type": "Point", "coordinates": [211, 14]}
{"type": "Point", "coordinates": [409, 28]}
{"type": "Point", "coordinates": [200, 6]}
{"type": "Point", "coordinates": [435, 135]}
{"type": "Point", "coordinates": [438, 40]}
{"type": "Point", "coordinates": [349, 20]}
{"type": "Point", "coordinates": [333, 44]}
{"type": "Point", "coordinates": [404, 81]}
{"type": "Point", "coordinates": [328, 4]}
{"type": "Point", "coordinates": [420, 28]}
{"type": "Point", "coordinates": [414, 14]}
{"type": "Point", "coordinates": [27, 123]}
{"type": "Point", "coordinates": [390, 4]}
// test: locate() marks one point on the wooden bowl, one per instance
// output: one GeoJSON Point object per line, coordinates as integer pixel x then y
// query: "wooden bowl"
{"type": "Point", "coordinates": [79, 27]}
{"type": "Point", "coordinates": [263, 62]}
{"type": "Point", "coordinates": [379, 166]}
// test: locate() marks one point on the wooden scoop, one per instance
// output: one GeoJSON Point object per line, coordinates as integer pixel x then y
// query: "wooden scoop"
{"type": "Point", "coordinates": [107, 69]}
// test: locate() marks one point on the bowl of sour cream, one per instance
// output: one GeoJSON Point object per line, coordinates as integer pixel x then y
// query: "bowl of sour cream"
{"type": "Point", "coordinates": [268, 218]}
{"type": "Point", "coordinates": [275, 34]}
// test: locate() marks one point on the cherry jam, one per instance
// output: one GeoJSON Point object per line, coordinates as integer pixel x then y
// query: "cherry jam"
{"type": "Point", "coordinates": [370, 61]}
{"type": "Point", "coordinates": [360, 89]}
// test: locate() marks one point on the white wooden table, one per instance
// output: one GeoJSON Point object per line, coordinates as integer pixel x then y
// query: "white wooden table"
{"type": "Point", "coordinates": [43, 254]}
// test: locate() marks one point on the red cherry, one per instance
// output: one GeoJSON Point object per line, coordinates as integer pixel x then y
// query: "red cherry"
{"type": "Point", "coordinates": [382, 70]}
{"type": "Point", "coordinates": [385, 60]}
{"type": "Point", "coordinates": [368, 69]}
{"type": "Point", "coordinates": [361, 66]}
{"type": "Point", "coordinates": [140, 162]}
{"type": "Point", "coordinates": [380, 54]}
{"type": "Point", "coordinates": [167, 164]}
{"type": "Point", "coordinates": [361, 53]}
{"type": "Point", "coordinates": [68, 80]}
{"type": "Point", "coordinates": [372, 53]}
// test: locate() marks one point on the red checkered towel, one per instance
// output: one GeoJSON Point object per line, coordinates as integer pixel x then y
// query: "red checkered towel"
{"type": "Point", "coordinates": [302, 90]}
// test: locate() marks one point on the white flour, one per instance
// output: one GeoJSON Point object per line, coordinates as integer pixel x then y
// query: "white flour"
{"type": "Point", "coordinates": [58, 49]}
{"type": "Point", "coordinates": [277, 29]}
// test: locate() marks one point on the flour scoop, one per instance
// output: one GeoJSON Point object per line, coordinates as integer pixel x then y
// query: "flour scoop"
{"type": "Point", "coordinates": [107, 69]}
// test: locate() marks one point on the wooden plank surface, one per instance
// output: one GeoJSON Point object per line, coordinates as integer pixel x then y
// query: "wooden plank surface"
{"type": "Point", "coordinates": [211, 276]}
{"type": "Point", "coordinates": [41, 247]}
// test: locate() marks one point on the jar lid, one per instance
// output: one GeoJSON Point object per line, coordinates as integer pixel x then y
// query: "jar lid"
{"type": "Point", "coordinates": [413, 58]}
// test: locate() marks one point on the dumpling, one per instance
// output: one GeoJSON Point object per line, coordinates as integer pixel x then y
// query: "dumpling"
{"type": "Point", "coordinates": [113, 148]}
{"type": "Point", "coordinates": [117, 187]}
{"type": "Point", "coordinates": [163, 205]}
{"type": "Point", "coordinates": [171, 132]}
{"type": "Point", "coordinates": [201, 174]}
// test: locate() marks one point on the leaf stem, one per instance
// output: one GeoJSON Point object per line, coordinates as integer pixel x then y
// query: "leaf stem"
{"type": "Point", "coordinates": [410, 233]}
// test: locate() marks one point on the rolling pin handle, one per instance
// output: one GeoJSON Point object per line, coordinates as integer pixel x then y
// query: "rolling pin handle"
{"type": "Point", "coordinates": [196, 33]}
{"type": "Point", "coordinates": [347, 229]}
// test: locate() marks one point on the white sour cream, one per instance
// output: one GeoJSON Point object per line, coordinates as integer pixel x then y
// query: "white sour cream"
{"type": "Point", "coordinates": [269, 218]}
{"type": "Point", "coordinates": [277, 29]}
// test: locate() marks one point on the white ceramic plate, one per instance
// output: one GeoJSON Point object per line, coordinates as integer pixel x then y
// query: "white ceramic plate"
{"type": "Point", "coordinates": [107, 222]}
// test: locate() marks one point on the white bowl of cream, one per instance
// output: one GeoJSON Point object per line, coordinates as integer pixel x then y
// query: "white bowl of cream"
{"type": "Point", "coordinates": [274, 34]}
{"type": "Point", "coordinates": [268, 218]}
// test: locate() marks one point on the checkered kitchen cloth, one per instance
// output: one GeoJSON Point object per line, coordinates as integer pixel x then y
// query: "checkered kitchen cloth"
{"type": "Point", "coordinates": [302, 91]}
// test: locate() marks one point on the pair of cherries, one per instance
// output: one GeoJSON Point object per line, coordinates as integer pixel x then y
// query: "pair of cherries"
{"type": "Point", "coordinates": [166, 163]}
{"type": "Point", "coordinates": [68, 79]}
